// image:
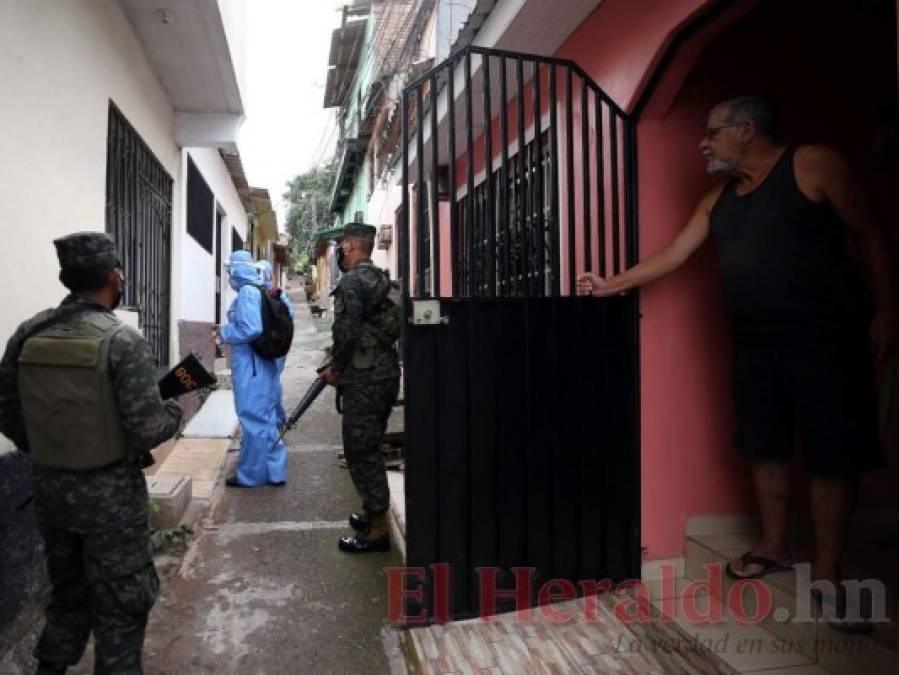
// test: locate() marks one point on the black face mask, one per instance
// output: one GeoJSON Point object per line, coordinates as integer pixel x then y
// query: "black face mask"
{"type": "Point", "coordinates": [118, 298]}
{"type": "Point", "coordinates": [339, 255]}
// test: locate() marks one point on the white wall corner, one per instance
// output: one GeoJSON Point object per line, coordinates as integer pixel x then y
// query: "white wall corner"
{"type": "Point", "coordinates": [651, 570]}
{"type": "Point", "coordinates": [130, 317]}
{"type": "Point", "coordinates": [497, 22]}
{"type": "Point", "coordinates": [207, 130]}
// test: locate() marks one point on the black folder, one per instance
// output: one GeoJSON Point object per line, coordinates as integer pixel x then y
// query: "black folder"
{"type": "Point", "coordinates": [187, 376]}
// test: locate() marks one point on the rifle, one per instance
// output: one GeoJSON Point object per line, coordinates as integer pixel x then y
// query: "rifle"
{"type": "Point", "coordinates": [316, 388]}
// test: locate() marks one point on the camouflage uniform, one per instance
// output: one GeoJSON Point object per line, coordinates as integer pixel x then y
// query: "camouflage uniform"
{"type": "Point", "coordinates": [95, 522]}
{"type": "Point", "coordinates": [369, 371]}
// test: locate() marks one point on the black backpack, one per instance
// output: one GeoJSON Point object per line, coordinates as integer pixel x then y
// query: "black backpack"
{"type": "Point", "coordinates": [277, 326]}
{"type": "Point", "coordinates": [390, 311]}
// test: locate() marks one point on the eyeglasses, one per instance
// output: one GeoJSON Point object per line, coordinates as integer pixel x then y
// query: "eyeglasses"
{"type": "Point", "coordinates": [711, 132]}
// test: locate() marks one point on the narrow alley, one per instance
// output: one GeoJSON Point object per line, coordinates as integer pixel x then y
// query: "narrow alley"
{"type": "Point", "coordinates": [263, 588]}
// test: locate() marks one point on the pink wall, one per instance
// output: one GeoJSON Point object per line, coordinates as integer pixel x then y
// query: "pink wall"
{"type": "Point", "coordinates": [684, 427]}
{"type": "Point", "coordinates": [829, 90]}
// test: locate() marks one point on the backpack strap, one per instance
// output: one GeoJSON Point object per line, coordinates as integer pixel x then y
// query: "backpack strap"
{"type": "Point", "coordinates": [60, 316]}
{"type": "Point", "coordinates": [377, 305]}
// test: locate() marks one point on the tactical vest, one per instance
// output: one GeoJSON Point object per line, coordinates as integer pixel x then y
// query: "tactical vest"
{"type": "Point", "coordinates": [72, 418]}
{"type": "Point", "coordinates": [374, 339]}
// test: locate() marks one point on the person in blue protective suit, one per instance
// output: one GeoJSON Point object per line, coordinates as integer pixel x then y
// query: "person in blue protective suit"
{"type": "Point", "coordinates": [265, 273]}
{"type": "Point", "coordinates": [253, 380]}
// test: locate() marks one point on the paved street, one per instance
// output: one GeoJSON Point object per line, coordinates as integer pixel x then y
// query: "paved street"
{"type": "Point", "coordinates": [263, 588]}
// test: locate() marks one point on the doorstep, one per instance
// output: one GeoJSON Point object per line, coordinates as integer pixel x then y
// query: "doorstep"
{"type": "Point", "coordinates": [396, 481]}
{"type": "Point", "coordinates": [170, 496]}
{"type": "Point", "coordinates": [217, 418]}
{"type": "Point", "coordinates": [778, 641]}
{"type": "Point", "coordinates": [590, 639]}
{"type": "Point", "coordinates": [201, 459]}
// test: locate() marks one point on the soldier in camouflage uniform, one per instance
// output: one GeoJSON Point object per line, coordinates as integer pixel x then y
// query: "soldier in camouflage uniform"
{"type": "Point", "coordinates": [366, 367]}
{"type": "Point", "coordinates": [78, 390]}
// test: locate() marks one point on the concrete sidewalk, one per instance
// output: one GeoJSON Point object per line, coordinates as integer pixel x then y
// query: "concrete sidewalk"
{"type": "Point", "coordinates": [263, 587]}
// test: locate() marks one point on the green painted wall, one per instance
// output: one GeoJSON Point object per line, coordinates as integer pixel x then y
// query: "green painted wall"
{"type": "Point", "coordinates": [358, 200]}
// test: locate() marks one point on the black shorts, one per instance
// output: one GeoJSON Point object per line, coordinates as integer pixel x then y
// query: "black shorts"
{"type": "Point", "coordinates": [822, 392]}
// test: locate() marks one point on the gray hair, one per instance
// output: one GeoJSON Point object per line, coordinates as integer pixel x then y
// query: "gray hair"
{"type": "Point", "coordinates": [755, 109]}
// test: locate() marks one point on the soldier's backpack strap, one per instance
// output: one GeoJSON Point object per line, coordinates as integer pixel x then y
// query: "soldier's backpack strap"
{"type": "Point", "coordinates": [43, 325]}
{"type": "Point", "coordinates": [62, 315]}
{"type": "Point", "coordinates": [378, 304]}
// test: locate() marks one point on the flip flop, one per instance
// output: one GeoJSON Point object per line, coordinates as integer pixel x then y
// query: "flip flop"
{"type": "Point", "coordinates": [769, 566]}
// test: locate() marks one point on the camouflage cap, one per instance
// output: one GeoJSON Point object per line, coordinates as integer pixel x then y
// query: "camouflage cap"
{"type": "Point", "coordinates": [361, 230]}
{"type": "Point", "coordinates": [87, 249]}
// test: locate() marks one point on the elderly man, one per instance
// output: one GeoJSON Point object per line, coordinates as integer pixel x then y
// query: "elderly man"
{"type": "Point", "coordinates": [801, 318]}
{"type": "Point", "coordinates": [78, 390]}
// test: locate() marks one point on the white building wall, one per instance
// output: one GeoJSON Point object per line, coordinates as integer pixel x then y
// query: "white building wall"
{"type": "Point", "coordinates": [234, 17]}
{"type": "Point", "coordinates": [197, 283]}
{"type": "Point", "coordinates": [60, 65]}
{"type": "Point", "coordinates": [385, 200]}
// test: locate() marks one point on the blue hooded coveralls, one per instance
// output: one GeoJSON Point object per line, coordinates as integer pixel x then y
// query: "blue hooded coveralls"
{"type": "Point", "coordinates": [265, 271]}
{"type": "Point", "coordinates": [253, 379]}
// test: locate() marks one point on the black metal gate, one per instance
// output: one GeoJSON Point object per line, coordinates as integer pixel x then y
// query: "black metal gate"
{"type": "Point", "coordinates": [522, 415]}
{"type": "Point", "coordinates": [139, 217]}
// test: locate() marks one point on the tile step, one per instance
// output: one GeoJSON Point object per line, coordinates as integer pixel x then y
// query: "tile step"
{"type": "Point", "coordinates": [815, 644]}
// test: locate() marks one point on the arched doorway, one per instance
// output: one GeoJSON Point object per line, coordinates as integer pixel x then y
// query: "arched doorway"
{"type": "Point", "coordinates": [831, 70]}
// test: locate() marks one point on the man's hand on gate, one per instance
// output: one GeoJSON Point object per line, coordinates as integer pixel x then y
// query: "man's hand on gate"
{"type": "Point", "coordinates": [592, 284]}
{"type": "Point", "coordinates": [329, 376]}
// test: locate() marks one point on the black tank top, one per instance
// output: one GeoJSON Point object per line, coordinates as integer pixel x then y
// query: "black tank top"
{"type": "Point", "coordinates": [786, 270]}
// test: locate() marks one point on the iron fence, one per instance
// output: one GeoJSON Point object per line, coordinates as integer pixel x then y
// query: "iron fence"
{"type": "Point", "coordinates": [139, 216]}
{"type": "Point", "coordinates": [541, 185]}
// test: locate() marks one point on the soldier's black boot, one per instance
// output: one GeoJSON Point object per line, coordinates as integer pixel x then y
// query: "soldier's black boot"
{"type": "Point", "coordinates": [375, 539]}
{"type": "Point", "coordinates": [44, 668]}
{"type": "Point", "coordinates": [359, 521]}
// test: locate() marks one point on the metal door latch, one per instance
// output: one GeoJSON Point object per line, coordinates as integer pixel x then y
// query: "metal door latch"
{"type": "Point", "coordinates": [427, 313]}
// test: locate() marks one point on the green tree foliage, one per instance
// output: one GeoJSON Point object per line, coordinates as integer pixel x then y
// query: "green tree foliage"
{"type": "Point", "coordinates": [308, 199]}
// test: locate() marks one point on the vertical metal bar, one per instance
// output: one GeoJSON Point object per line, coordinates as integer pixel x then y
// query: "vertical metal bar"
{"type": "Point", "coordinates": [632, 242]}
{"type": "Point", "coordinates": [554, 161]}
{"type": "Point", "coordinates": [490, 253]}
{"type": "Point", "coordinates": [469, 131]}
{"type": "Point", "coordinates": [616, 221]}
{"type": "Point", "coordinates": [480, 231]}
{"type": "Point", "coordinates": [402, 231]}
{"type": "Point", "coordinates": [505, 183]}
{"type": "Point", "coordinates": [454, 224]}
{"type": "Point", "coordinates": [421, 225]}
{"type": "Point", "coordinates": [540, 234]}
{"type": "Point", "coordinates": [634, 307]}
{"type": "Point", "coordinates": [521, 267]}
{"type": "Point", "coordinates": [600, 190]}
{"type": "Point", "coordinates": [585, 163]}
{"type": "Point", "coordinates": [569, 138]}
{"type": "Point", "coordinates": [435, 214]}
